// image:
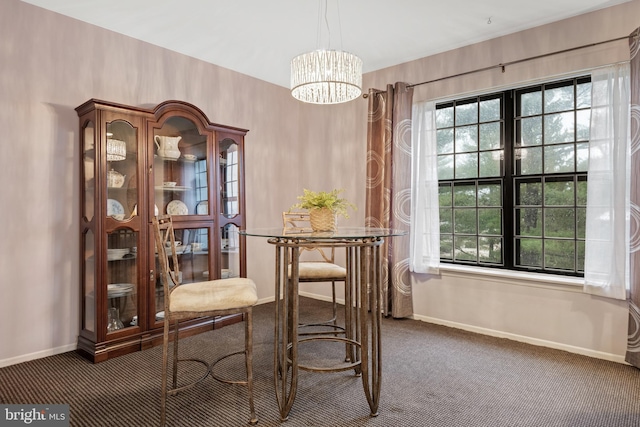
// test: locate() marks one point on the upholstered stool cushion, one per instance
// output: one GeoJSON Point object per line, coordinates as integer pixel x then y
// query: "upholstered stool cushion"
{"type": "Point", "coordinates": [221, 294]}
{"type": "Point", "coordinates": [320, 270]}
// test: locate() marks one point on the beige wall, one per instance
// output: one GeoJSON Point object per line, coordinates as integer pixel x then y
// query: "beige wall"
{"type": "Point", "coordinates": [549, 314]}
{"type": "Point", "coordinates": [50, 64]}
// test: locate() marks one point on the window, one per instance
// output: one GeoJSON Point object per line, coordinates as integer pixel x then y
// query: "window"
{"type": "Point", "coordinates": [512, 172]}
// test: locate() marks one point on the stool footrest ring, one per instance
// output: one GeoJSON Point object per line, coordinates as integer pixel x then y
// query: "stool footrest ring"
{"type": "Point", "coordinates": [174, 391]}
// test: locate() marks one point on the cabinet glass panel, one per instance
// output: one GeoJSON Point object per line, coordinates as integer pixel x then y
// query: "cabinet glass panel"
{"type": "Point", "coordinates": [89, 317]}
{"type": "Point", "coordinates": [230, 251]}
{"type": "Point", "coordinates": [192, 248]}
{"type": "Point", "coordinates": [89, 161]}
{"type": "Point", "coordinates": [180, 168]}
{"type": "Point", "coordinates": [229, 187]}
{"type": "Point", "coordinates": [122, 164]}
{"type": "Point", "coordinates": [122, 280]}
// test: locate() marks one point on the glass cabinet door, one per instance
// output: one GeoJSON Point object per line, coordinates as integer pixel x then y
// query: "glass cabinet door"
{"type": "Point", "coordinates": [122, 283]}
{"type": "Point", "coordinates": [230, 251]}
{"type": "Point", "coordinates": [89, 267]}
{"type": "Point", "coordinates": [229, 174]}
{"type": "Point", "coordinates": [122, 205]}
{"type": "Point", "coordinates": [122, 166]}
{"type": "Point", "coordinates": [192, 248]}
{"type": "Point", "coordinates": [180, 169]}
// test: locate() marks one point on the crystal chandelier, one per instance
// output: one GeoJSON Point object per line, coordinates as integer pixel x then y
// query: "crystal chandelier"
{"type": "Point", "coordinates": [326, 76]}
{"type": "Point", "coordinates": [116, 150]}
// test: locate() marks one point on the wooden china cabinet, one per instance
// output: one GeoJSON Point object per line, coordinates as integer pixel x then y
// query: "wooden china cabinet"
{"type": "Point", "coordinates": [137, 163]}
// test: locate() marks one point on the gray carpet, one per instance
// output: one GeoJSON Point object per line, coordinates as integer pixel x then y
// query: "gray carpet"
{"type": "Point", "coordinates": [432, 376]}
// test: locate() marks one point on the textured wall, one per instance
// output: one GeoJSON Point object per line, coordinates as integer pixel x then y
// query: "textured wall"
{"type": "Point", "coordinates": [50, 64]}
{"type": "Point", "coordinates": [542, 313]}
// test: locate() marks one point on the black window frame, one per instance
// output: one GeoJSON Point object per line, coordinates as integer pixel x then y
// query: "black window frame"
{"type": "Point", "coordinates": [511, 177]}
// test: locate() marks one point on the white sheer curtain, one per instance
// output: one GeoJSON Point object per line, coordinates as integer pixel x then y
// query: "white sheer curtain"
{"type": "Point", "coordinates": [607, 228]}
{"type": "Point", "coordinates": [425, 215]}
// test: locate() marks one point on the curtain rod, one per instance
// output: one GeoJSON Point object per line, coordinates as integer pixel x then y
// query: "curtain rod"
{"type": "Point", "coordinates": [506, 64]}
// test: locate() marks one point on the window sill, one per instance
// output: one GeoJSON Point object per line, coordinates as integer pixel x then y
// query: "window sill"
{"type": "Point", "coordinates": [511, 277]}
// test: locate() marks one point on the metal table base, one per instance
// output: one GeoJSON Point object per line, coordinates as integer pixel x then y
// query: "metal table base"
{"type": "Point", "coordinates": [362, 322]}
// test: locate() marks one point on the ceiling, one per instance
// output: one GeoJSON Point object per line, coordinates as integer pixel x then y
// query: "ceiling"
{"type": "Point", "coordinates": [259, 38]}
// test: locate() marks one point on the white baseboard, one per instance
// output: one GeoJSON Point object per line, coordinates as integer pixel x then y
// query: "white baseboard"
{"type": "Point", "coordinates": [37, 355]}
{"type": "Point", "coordinates": [528, 340]}
{"type": "Point", "coordinates": [500, 334]}
{"type": "Point", "coordinates": [485, 331]}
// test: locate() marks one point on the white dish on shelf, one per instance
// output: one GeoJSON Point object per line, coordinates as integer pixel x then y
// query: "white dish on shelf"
{"type": "Point", "coordinates": [177, 207]}
{"type": "Point", "coordinates": [113, 254]}
{"type": "Point", "coordinates": [115, 209]}
{"type": "Point", "coordinates": [169, 184]}
{"type": "Point", "coordinates": [202, 208]}
{"type": "Point", "coordinates": [174, 188]}
{"type": "Point", "coordinates": [190, 157]}
{"type": "Point", "coordinates": [160, 315]}
{"type": "Point", "coordinates": [115, 290]}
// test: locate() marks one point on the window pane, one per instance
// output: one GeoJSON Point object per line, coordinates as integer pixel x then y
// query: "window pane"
{"type": "Point", "coordinates": [490, 249]}
{"type": "Point", "coordinates": [446, 246]}
{"type": "Point", "coordinates": [466, 139]}
{"type": "Point", "coordinates": [490, 136]}
{"type": "Point", "coordinates": [530, 252]}
{"type": "Point", "coordinates": [464, 195]}
{"type": "Point", "coordinates": [490, 110]}
{"type": "Point", "coordinates": [531, 103]}
{"type": "Point", "coordinates": [580, 256]}
{"type": "Point", "coordinates": [529, 222]}
{"type": "Point", "coordinates": [583, 119]}
{"type": "Point", "coordinates": [558, 193]}
{"type": "Point", "coordinates": [559, 128]}
{"type": "Point", "coordinates": [466, 114]}
{"type": "Point", "coordinates": [530, 161]}
{"type": "Point", "coordinates": [581, 222]}
{"type": "Point", "coordinates": [446, 220]}
{"type": "Point", "coordinates": [490, 164]}
{"type": "Point", "coordinates": [530, 132]}
{"type": "Point", "coordinates": [558, 99]}
{"type": "Point", "coordinates": [444, 138]}
{"type": "Point", "coordinates": [559, 159]}
{"type": "Point", "coordinates": [583, 91]}
{"type": "Point", "coordinates": [582, 159]}
{"type": "Point", "coordinates": [444, 117]}
{"type": "Point", "coordinates": [559, 254]}
{"type": "Point", "coordinates": [466, 165]}
{"type": "Point", "coordinates": [465, 249]}
{"type": "Point", "coordinates": [445, 167]}
{"type": "Point", "coordinates": [581, 196]}
{"type": "Point", "coordinates": [559, 222]}
{"type": "Point", "coordinates": [489, 195]}
{"type": "Point", "coordinates": [490, 221]}
{"type": "Point", "coordinates": [445, 195]}
{"type": "Point", "coordinates": [465, 221]}
{"type": "Point", "coordinates": [529, 193]}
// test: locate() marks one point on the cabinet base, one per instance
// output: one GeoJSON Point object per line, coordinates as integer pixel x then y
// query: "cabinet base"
{"type": "Point", "coordinates": [101, 351]}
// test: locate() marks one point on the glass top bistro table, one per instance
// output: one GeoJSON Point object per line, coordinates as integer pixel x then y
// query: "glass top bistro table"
{"type": "Point", "coordinates": [364, 264]}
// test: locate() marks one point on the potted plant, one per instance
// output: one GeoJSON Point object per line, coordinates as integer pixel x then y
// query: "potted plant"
{"type": "Point", "coordinates": [324, 207]}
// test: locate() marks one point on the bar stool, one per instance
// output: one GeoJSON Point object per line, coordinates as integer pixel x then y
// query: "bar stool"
{"type": "Point", "coordinates": [199, 299]}
{"type": "Point", "coordinates": [321, 269]}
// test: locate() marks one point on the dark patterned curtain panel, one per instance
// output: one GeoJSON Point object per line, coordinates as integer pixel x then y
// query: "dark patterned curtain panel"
{"type": "Point", "coordinates": [388, 201]}
{"type": "Point", "coordinates": [633, 344]}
